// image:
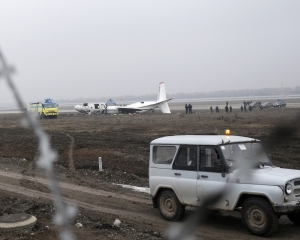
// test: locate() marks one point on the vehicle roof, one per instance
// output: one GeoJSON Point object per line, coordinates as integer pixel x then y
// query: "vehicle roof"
{"type": "Point", "coordinates": [202, 139]}
{"type": "Point", "coordinates": [48, 100]}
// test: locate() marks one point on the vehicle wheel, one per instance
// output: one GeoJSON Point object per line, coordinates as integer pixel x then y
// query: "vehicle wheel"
{"type": "Point", "coordinates": [259, 216]}
{"type": "Point", "coordinates": [294, 217]}
{"type": "Point", "coordinates": [169, 206]}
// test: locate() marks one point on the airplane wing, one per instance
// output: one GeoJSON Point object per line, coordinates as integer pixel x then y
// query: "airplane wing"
{"type": "Point", "coordinates": [163, 105]}
{"type": "Point", "coordinates": [132, 110]}
{"type": "Point", "coordinates": [156, 104]}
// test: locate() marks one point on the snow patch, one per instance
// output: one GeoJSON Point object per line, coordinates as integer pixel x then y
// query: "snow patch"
{"type": "Point", "coordinates": [137, 189]}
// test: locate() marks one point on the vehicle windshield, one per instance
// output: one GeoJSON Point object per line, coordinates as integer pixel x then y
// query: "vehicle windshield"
{"type": "Point", "coordinates": [50, 105]}
{"type": "Point", "coordinates": [240, 154]}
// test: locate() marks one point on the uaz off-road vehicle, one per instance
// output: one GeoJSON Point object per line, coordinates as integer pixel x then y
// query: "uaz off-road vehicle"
{"type": "Point", "coordinates": [189, 170]}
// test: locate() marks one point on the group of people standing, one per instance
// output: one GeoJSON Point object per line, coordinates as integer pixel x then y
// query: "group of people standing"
{"type": "Point", "coordinates": [188, 109]}
{"type": "Point", "coordinates": [227, 109]}
{"type": "Point", "coordinates": [211, 109]}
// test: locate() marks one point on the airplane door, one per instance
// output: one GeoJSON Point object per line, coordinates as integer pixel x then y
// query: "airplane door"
{"type": "Point", "coordinates": [185, 174]}
{"type": "Point", "coordinates": [210, 180]}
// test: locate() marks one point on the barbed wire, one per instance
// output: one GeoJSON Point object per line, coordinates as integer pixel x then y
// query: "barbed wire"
{"type": "Point", "coordinates": [47, 155]}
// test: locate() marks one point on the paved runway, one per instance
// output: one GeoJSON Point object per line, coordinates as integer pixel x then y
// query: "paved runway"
{"type": "Point", "coordinates": [198, 104]}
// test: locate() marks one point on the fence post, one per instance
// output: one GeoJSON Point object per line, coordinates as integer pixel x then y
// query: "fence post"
{"type": "Point", "coordinates": [100, 163]}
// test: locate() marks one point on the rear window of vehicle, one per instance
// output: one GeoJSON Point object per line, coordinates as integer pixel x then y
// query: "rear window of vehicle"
{"type": "Point", "coordinates": [163, 154]}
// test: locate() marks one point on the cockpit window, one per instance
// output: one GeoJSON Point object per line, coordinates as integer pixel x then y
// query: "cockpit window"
{"type": "Point", "coordinates": [240, 154]}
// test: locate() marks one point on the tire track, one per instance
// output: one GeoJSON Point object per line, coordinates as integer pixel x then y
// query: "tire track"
{"type": "Point", "coordinates": [133, 208]}
{"type": "Point", "coordinates": [75, 188]}
{"type": "Point", "coordinates": [128, 214]}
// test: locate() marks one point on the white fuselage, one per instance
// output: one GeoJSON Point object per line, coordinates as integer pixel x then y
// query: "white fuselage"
{"type": "Point", "coordinates": [90, 108]}
{"type": "Point", "coordinates": [139, 107]}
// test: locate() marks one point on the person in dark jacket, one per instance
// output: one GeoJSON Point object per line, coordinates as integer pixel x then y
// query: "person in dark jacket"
{"type": "Point", "coordinates": [211, 109]}
{"type": "Point", "coordinates": [186, 109]}
{"type": "Point", "coordinates": [190, 108]}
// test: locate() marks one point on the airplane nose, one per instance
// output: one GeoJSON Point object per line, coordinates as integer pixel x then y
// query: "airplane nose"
{"type": "Point", "coordinates": [76, 107]}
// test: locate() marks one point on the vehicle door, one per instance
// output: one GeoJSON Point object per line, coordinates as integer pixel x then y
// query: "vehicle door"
{"type": "Point", "coordinates": [185, 174]}
{"type": "Point", "coordinates": [212, 179]}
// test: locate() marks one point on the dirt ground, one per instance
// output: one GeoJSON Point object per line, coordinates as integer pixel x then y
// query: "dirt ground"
{"type": "Point", "coordinates": [123, 143]}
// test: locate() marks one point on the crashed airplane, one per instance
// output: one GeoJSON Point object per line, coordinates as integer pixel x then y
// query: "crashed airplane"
{"type": "Point", "coordinates": [110, 107]}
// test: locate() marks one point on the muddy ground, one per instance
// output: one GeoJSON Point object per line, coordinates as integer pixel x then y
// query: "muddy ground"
{"type": "Point", "coordinates": [123, 143]}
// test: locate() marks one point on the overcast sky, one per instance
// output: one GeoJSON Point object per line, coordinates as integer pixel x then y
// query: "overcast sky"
{"type": "Point", "coordinates": [92, 48]}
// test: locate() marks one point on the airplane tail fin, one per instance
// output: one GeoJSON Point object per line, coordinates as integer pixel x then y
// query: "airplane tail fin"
{"type": "Point", "coordinates": [162, 96]}
{"type": "Point", "coordinates": [162, 92]}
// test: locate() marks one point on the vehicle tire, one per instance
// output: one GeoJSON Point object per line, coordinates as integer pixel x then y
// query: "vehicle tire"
{"type": "Point", "coordinates": [294, 217]}
{"type": "Point", "coordinates": [259, 216]}
{"type": "Point", "coordinates": [169, 206]}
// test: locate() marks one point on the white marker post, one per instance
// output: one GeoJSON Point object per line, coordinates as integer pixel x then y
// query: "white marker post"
{"type": "Point", "coordinates": [100, 163]}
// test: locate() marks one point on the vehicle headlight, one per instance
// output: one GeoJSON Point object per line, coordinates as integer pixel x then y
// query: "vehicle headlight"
{"type": "Point", "coordinates": [288, 189]}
